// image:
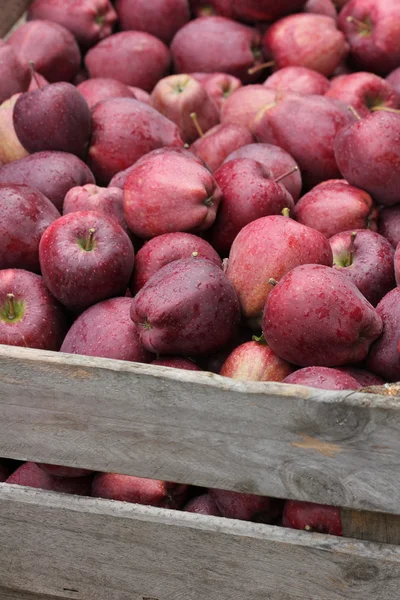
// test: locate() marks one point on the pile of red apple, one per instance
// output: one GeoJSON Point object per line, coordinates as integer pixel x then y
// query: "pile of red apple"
{"type": "Point", "coordinates": [206, 185]}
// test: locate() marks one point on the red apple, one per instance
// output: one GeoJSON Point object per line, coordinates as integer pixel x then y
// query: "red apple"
{"type": "Point", "coordinates": [168, 192]}
{"type": "Point", "coordinates": [316, 317]}
{"type": "Point", "coordinates": [299, 80]}
{"type": "Point", "coordinates": [249, 192]}
{"type": "Point", "coordinates": [246, 507]}
{"type": "Point", "coordinates": [365, 92]}
{"type": "Point", "coordinates": [203, 505]}
{"type": "Point", "coordinates": [97, 89]}
{"type": "Point", "coordinates": [85, 257]}
{"type": "Point", "coordinates": [176, 363]}
{"type": "Point", "coordinates": [389, 224]}
{"type": "Point", "coordinates": [50, 47]}
{"type": "Point", "coordinates": [89, 20]}
{"type": "Point", "coordinates": [219, 142]}
{"type": "Point", "coordinates": [31, 475]}
{"type": "Point", "coordinates": [108, 201]}
{"type": "Point", "coordinates": [260, 10]}
{"type": "Point", "coordinates": [106, 330]}
{"type": "Point", "coordinates": [149, 59]}
{"type": "Point", "coordinates": [52, 173]}
{"type": "Point", "coordinates": [321, 7]}
{"type": "Point", "coordinates": [277, 160]}
{"type": "Point", "coordinates": [123, 131]}
{"type": "Point", "coordinates": [384, 356]}
{"type": "Point", "coordinates": [366, 258]}
{"type": "Point", "coordinates": [323, 378]}
{"type": "Point", "coordinates": [219, 86]}
{"type": "Point", "coordinates": [29, 315]}
{"type": "Point", "coordinates": [255, 361]}
{"type": "Point", "coordinates": [243, 105]}
{"type": "Point", "coordinates": [37, 81]}
{"type": "Point", "coordinates": [10, 146]}
{"type": "Point", "coordinates": [394, 80]}
{"type": "Point", "coordinates": [138, 490]}
{"type": "Point", "coordinates": [188, 307]}
{"type": "Point", "coordinates": [140, 94]}
{"type": "Point", "coordinates": [164, 249]}
{"type": "Point", "coordinates": [334, 206]}
{"type": "Point", "coordinates": [364, 378]}
{"type": "Point", "coordinates": [312, 517]}
{"type": "Point", "coordinates": [306, 40]}
{"type": "Point", "coordinates": [59, 471]}
{"type": "Point", "coordinates": [14, 74]}
{"type": "Point", "coordinates": [162, 18]}
{"type": "Point", "coordinates": [271, 247]}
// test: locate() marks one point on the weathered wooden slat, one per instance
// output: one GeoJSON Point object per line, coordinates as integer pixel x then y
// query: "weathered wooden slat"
{"type": "Point", "coordinates": [7, 594]}
{"type": "Point", "coordinates": [339, 448]}
{"type": "Point", "coordinates": [10, 12]}
{"type": "Point", "coordinates": [89, 549]}
{"type": "Point", "coordinates": [374, 527]}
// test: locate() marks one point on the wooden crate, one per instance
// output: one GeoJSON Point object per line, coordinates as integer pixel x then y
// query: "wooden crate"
{"type": "Point", "coordinates": [340, 448]}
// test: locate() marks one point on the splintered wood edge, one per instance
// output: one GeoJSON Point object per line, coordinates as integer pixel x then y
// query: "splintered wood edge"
{"type": "Point", "coordinates": [12, 12]}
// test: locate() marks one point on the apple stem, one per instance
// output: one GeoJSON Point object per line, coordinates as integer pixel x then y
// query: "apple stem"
{"type": "Point", "coordinates": [285, 212]}
{"type": "Point", "coordinates": [34, 76]}
{"type": "Point", "coordinates": [195, 120]}
{"type": "Point", "coordinates": [352, 240]}
{"type": "Point", "coordinates": [11, 306]}
{"type": "Point", "coordinates": [292, 170]}
{"type": "Point", "coordinates": [261, 67]}
{"type": "Point", "coordinates": [272, 281]}
{"type": "Point", "coordinates": [89, 241]}
{"type": "Point", "coordinates": [260, 339]}
{"type": "Point", "coordinates": [354, 112]}
{"type": "Point", "coordinates": [360, 24]}
{"type": "Point", "coordinates": [386, 109]}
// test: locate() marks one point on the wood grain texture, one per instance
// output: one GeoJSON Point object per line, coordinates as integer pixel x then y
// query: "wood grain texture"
{"type": "Point", "coordinates": [374, 527]}
{"type": "Point", "coordinates": [88, 549]}
{"type": "Point", "coordinates": [10, 13]}
{"type": "Point", "coordinates": [339, 448]}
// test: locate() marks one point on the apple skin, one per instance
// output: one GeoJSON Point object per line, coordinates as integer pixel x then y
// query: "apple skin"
{"type": "Point", "coordinates": [299, 80]}
{"type": "Point", "coordinates": [368, 155]}
{"type": "Point", "coordinates": [80, 278]}
{"type": "Point", "coordinates": [203, 505]}
{"type": "Point", "coordinates": [384, 355]}
{"type": "Point", "coordinates": [149, 59]}
{"type": "Point", "coordinates": [216, 44]}
{"type": "Point", "coordinates": [108, 201]}
{"type": "Point", "coordinates": [269, 248]}
{"type": "Point", "coordinates": [14, 74]}
{"type": "Point", "coordinates": [101, 88]}
{"type": "Point", "coordinates": [219, 86]}
{"type": "Point", "coordinates": [261, 10]}
{"type": "Point", "coordinates": [334, 206]}
{"type": "Point", "coordinates": [219, 142]}
{"type": "Point", "coordinates": [306, 127]}
{"type": "Point", "coordinates": [364, 378]}
{"type": "Point", "coordinates": [124, 130]}
{"type": "Point", "coordinates": [140, 94]}
{"type": "Point", "coordinates": [316, 317]}
{"type": "Point", "coordinates": [168, 192]}
{"type": "Point", "coordinates": [55, 117]}
{"type": "Point", "coordinates": [394, 80]}
{"type": "Point", "coordinates": [31, 475]}
{"type": "Point", "coordinates": [88, 20]}
{"type": "Point", "coordinates": [178, 315]}
{"type": "Point", "coordinates": [10, 147]}
{"type": "Point", "coordinates": [323, 378]}
{"type": "Point", "coordinates": [364, 92]}
{"type": "Point", "coordinates": [389, 224]}
{"type": "Point", "coordinates": [164, 249]}
{"type": "Point", "coordinates": [150, 492]}
{"type": "Point", "coordinates": [312, 517]}
{"type": "Point", "coordinates": [277, 160]}
{"type": "Point", "coordinates": [40, 321]}
{"type": "Point", "coordinates": [177, 97]}
{"type": "Point", "coordinates": [59, 471]}
{"type": "Point", "coordinates": [243, 105]}
{"type": "Point", "coordinates": [106, 330]}
{"type": "Point", "coordinates": [255, 361]}
{"type": "Point", "coordinates": [321, 7]}
{"type": "Point", "coordinates": [371, 268]}
{"type": "Point", "coordinates": [176, 363]}
{"type": "Point", "coordinates": [50, 46]}
{"type": "Point", "coordinates": [375, 48]}
{"type": "Point", "coordinates": [161, 18]}
{"type": "Point", "coordinates": [249, 192]}
{"type": "Point", "coordinates": [52, 173]}
{"type": "Point", "coordinates": [306, 40]}
{"type": "Point", "coordinates": [25, 214]}
{"type": "Point", "coordinates": [247, 507]}
{"type": "Point", "coordinates": [37, 82]}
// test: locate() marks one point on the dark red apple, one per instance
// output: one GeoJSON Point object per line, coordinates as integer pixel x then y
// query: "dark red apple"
{"type": "Point", "coordinates": [25, 214]}
{"type": "Point", "coordinates": [243, 105]}
{"type": "Point", "coordinates": [100, 88]}
{"type": "Point", "coordinates": [169, 192]}
{"type": "Point", "coordinates": [316, 317]}
{"type": "Point", "coordinates": [124, 130]}
{"type": "Point", "coordinates": [364, 378]}
{"type": "Point", "coordinates": [247, 507]}
{"type": "Point", "coordinates": [312, 517]}
{"type": "Point", "coordinates": [149, 59]}
{"type": "Point", "coordinates": [389, 224]}
{"type": "Point", "coordinates": [366, 258]}
{"type": "Point", "coordinates": [138, 490]}
{"type": "Point", "coordinates": [59, 471]}
{"type": "Point", "coordinates": [14, 74]}
{"type": "Point", "coordinates": [365, 92]}
{"type": "Point", "coordinates": [384, 356]}
{"type": "Point", "coordinates": [10, 146]}
{"type": "Point", "coordinates": [188, 307]}
{"type": "Point", "coordinates": [29, 315]}
{"type": "Point", "coordinates": [203, 505]}
{"type": "Point", "coordinates": [164, 249]}
{"type": "Point", "coordinates": [394, 79]}
{"type": "Point", "coordinates": [334, 206]}
{"type": "Point", "coordinates": [220, 141]}
{"type": "Point", "coordinates": [219, 86]}
{"type": "Point", "coordinates": [249, 192]}
{"type": "Point", "coordinates": [176, 363]}
{"type": "Point", "coordinates": [323, 378]}
{"type": "Point", "coordinates": [162, 18]}
{"type": "Point", "coordinates": [31, 475]}
{"type": "Point", "coordinates": [37, 81]}
{"type": "Point", "coordinates": [52, 173]}
{"type": "Point", "coordinates": [255, 361]}
{"type": "Point", "coordinates": [50, 47]}
{"type": "Point", "coordinates": [268, 248]}
{"type": "Point", "coordinates": [106, 330]}
{"type": "Point", "coordinates": [89, 20]}
{"type": "Point", "coordinates": [299, 80]}
{"type": "Point", "coordinates": [85, 257]}
{"type": "Point", "coordinates": [321, 7]}
{"type": "Point", "coordinates": [108, 201]}
{"type": "Point", "coordinates": [259, 10]}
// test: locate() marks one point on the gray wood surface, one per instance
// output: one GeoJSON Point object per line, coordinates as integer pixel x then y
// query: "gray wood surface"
{"type": "Point", "coordinates": [10, 13]}
{"type": "Point", "coordinates": [375, 527]}
{"type": "Point", "coordinates": [115, 551]}
{"type": "Point", "coordinates": [339, 448]}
